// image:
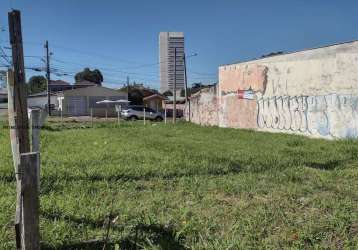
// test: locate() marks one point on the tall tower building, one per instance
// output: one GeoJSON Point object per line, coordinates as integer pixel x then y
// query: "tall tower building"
{"type": "Point", "coordinates": [168, 43]}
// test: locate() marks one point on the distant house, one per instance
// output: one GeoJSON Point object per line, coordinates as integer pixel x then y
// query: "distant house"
{"type": "Point", "coordinates": [81, 101]}
{"type": "Point", "coordinates": [3, 95]}
{"type": "Point", "coordinates": [3, 101]}
{"type": "Point", "coordinates": [39, 100]}
{"type": "Point", "coordinates": [59, 85]}
{"type": "Point", "coordinates": [155, 101]}
{"type": "Point", "coordinates": [83, 84]}
{"type": "Point", "coordinates": [180, 106]}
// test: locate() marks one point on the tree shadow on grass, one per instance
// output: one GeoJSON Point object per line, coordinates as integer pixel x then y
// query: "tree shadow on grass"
{"type": "Point", "coordinates": [83, 245]}
{"type": "Point", "coordinates": [233, 168]}
{"type": "Point", "coordinates": [162, 236]}
{"type": "Point", "coordinates": [140, 237]}
{"type": "Point", "coordinates": [57, 215]}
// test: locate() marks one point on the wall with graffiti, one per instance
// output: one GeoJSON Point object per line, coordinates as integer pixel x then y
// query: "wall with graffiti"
{"type": "Point", "coordinates": [312, 92]}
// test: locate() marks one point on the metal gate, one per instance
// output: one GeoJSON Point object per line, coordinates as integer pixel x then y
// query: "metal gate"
{"type": "Point", "coordinates": [77, 105]}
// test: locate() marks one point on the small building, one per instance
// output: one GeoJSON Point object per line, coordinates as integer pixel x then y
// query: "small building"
{"type": "Point", "coordinates": [40, 100]}
{"type": "Point", "coordinates": [155, 102]}
{"type": "Point", "coordinates": [82, 101]}
{"type": "Point", "coordinates": [3, 102]}
{"type": "Point", "coordinates": [83, 84]}
{"type": "Point", "coordinates": [59, 85]}
{"type": "Point", "coordinates": [180, 106]}
{"type": "Point", "coordinates": [3, 95]}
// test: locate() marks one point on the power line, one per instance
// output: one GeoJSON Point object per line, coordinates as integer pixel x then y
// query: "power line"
{"type": "Point", "coordinates": [107, 69]}
{"type": "Point", "coordinates": [4, 55]}
{"type": "Point", "coordinates": [109, 72]}
{"type": "Point", "coordinates": [105, 56]}
{"type": "Point", "coordinates": [93, 54]}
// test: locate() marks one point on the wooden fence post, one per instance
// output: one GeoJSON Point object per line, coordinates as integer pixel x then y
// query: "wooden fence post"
{"type": "Point", "coordinates": [19, 88]}
{"type": "Point", "coordinates": [61, 118]}
{"type": "Point", "coordinates": [30, 200]}
{"type": "Point", "coordinates": [144, 115]}
{"type": "Point", "coordinates": [91, 117]}
{"type": "Point", "coordinates": [20, 142]}
{"type": "Point", "coordinates": [165, 115]}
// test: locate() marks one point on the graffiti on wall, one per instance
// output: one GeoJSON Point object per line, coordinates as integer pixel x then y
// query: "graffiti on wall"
{"type": "Point", "coordinates": [325, 115]}
{"type": "Point", "coordinates": [311, 93]}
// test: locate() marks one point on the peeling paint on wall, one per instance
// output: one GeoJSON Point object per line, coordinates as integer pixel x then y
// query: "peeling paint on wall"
{"type": "Point", "coordinates": [312, 92]}
{"type": "Point", "coordinates": [204, 107]}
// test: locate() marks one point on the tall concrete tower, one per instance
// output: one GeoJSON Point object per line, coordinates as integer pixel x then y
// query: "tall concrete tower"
{"type": "Point", "coordinates": [168, 43]}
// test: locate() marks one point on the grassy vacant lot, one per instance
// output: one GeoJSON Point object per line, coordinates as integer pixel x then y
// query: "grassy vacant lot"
{"type": "Point", "coordinates": [191, 187]}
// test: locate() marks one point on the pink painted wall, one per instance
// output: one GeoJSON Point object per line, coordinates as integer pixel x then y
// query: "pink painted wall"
{"type": "Point", "coordinates": [242, 77]}
{"type": "Point", "coordinates": [312, 92]}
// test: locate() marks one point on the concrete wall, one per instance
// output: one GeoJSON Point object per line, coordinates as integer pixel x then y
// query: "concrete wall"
{"type": "Point", "coordinates": [312, 92]}
{"type": "Point", "coordinates": [41, 101]}
{"type": "Point", "coordinates": [204, 107]}
{"type": "Point", "coordinates": [83, 103]}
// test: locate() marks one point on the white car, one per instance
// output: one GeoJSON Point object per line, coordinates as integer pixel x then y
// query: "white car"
{"type": "Point", "coordinates": [137, 112]}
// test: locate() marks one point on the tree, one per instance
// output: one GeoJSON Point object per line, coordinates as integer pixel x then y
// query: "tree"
{"type": "Point", "coordinates": [168, 93]}
{"type": "Point", "coordinates": [135, 96]}
{"type": "Point", "coordinates": [37, 84]}
{"type": "Point", "coordinates": [182, 92]}
{"type": "Point", "coordinates": [94, 76]}
{"type": "Point", "coordinates": [3, 79]}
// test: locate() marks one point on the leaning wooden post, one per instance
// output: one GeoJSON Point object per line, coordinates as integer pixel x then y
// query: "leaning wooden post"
{"type": "Point", "coordinates": [30, 200]}
{"type": "Point", "coordinates": [19, 95]}
{"type": "Point", "coordinates": [19, 133]}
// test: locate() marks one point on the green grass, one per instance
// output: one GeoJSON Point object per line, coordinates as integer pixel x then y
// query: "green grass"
{"type": "Point", "coordinates": [185, 186]}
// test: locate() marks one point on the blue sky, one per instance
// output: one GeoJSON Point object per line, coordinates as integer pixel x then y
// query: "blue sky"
{"type": "Point", "coordinates": [121, 37]}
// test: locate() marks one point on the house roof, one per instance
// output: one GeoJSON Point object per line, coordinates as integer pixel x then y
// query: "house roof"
{"type": "Point", "coordinates": [158, 96]}
{"type": "Point", "coordinates": [40, 94]}
{"type": "Point", "coordinates": [179, 99]}
{"type": "Point", "coordinates": [85, 83]}
{"type": "Point", "coordinates": [3, 91]}
{"type": "Point", "coordinates": [95, 89]}
{"type": "Point", "coordinates": [59, 82]}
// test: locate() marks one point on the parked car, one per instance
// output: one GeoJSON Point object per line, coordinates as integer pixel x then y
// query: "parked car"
{"type": "Point", "coordinates": [137, 112]}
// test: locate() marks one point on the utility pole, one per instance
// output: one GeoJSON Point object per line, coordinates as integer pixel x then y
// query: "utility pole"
{"type": "Point", "coordinates": [175, 87]}
{"type": "Point", "coordinates": [48, 76]}
{"type": "Point", "coordinates": [187, 101]}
